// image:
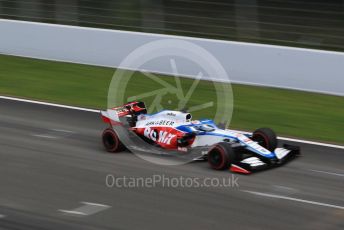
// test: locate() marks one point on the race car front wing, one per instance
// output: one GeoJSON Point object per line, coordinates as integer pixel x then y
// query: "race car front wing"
{"type": "Point", "coordinates": [252, 163]}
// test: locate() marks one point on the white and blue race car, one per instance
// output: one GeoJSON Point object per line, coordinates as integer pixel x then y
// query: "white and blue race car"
{"type": "Point", "coordinates": [176, 132]}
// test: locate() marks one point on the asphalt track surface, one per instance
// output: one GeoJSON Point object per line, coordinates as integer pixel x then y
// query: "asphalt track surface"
{"type": "Point", "coordinates": [52, 159]}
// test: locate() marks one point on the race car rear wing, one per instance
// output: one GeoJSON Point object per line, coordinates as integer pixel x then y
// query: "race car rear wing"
{"type": "Point", "coordinates": [112, 115]}
{"type": "Point", "coordinates": [130, 108]}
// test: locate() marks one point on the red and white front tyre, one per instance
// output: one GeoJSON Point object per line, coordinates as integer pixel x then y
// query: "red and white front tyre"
{"type": "Point", "coordinates": [111, 141]}
{"type": "Point", "coordinates": [221, 156]}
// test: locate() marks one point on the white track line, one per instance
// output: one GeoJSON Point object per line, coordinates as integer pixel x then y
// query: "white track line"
{"type": "Point", "coordinates": [88, 208]}
{"type": "Point", "coordinates": [97, 111]}
{"type": "Point", "coordinates": [72, 212]}
{"type": "Point", "coordinates": [95, 204]}
{"type": "Point", "coordinates": [330, 173]}
{"type": "Point", "coordinates": [302, 141]}
{"type": "Point", "coordinates": [294, 199]}
{"type": "Point", "coordinates": [2, 216]}
{"type": "Point", "coordinates": [311, 142]}
{"type": "Point", "coordinates": [44, 136]}
{"type": "Point", "coordinates": [62, 130]}
{"type": "Point", "coordinates": [49, 104]}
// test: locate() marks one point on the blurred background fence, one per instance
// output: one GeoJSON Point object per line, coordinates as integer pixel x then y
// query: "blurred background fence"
{"type": "Point", "coordinates": [315, 24]}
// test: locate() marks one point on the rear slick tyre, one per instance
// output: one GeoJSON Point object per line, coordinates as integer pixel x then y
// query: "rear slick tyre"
{"type": "Point", "coordinates": [111, 141]}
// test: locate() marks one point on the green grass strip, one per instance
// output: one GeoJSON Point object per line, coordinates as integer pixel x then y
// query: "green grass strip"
{"type": "Point", "coordinates": [290, 113]}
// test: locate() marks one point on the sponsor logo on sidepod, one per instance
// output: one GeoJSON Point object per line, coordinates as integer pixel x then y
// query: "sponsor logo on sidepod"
{"type": "Point", "coordinates": [161, 137]}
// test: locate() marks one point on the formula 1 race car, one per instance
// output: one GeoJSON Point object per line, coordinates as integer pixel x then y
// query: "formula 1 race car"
{"type": "Point", "coordinates": [175, 131]}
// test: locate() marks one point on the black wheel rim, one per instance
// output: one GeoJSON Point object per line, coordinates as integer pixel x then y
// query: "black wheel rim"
{"type": "Point", "coordinates": [109, 141]}
{"type": "Point", "coordinates": [215, 158]}
{"type": "Point", "coordinates": [260, 140]}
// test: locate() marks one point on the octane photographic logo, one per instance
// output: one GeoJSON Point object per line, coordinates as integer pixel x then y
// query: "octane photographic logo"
{"type": "Point", "coordinates": [171, 74]}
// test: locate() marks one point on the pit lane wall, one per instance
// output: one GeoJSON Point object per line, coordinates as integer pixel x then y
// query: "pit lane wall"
{"type": "Point", "coordinates": [256, 64]}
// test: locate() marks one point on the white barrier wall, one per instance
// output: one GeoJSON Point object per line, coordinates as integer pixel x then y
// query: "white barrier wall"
{"type": "Point", "coordinates": [305, 69]}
